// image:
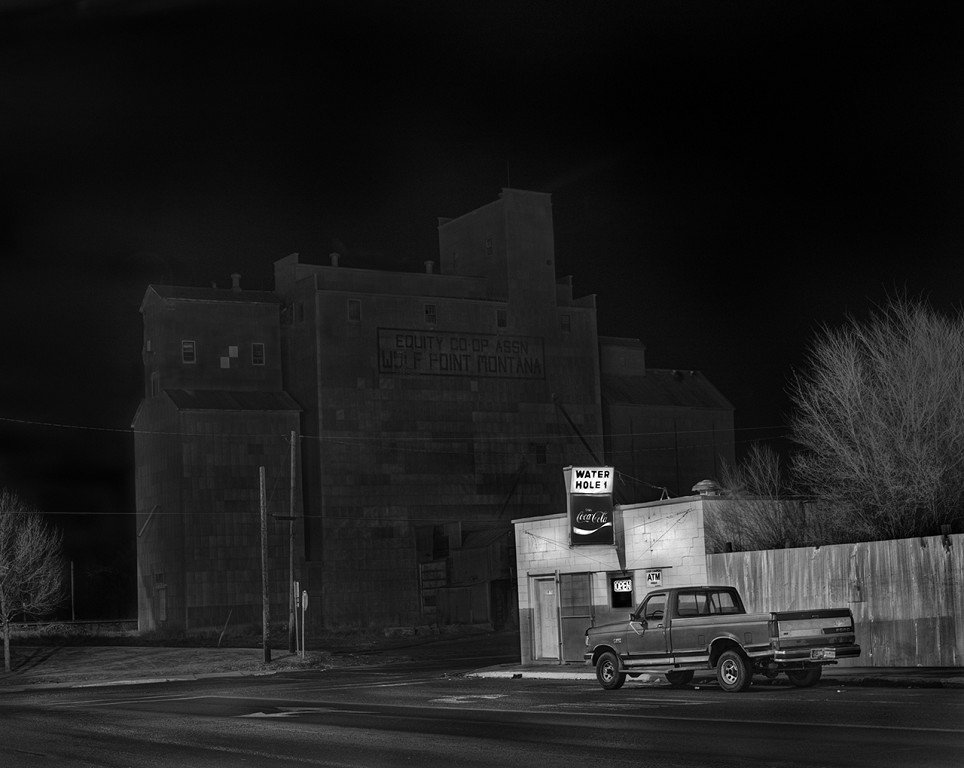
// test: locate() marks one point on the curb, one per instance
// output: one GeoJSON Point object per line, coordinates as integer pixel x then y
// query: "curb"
{"type": "Point", "coordinates": [25, 687]}
{"type": "Point", "coordinates": [831, 680]}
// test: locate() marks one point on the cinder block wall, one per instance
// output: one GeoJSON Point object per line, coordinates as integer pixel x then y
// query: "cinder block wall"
{"type": "Point", "coordinates": [663, 535]}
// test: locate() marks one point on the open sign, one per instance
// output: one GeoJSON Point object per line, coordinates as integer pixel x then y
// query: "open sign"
{"type": "Point", "coordinates": [622, 585]}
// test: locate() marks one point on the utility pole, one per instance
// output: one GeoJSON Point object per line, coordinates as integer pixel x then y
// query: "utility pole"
{"type": "Point", "coordinates": [292, 598]}
{"type": "Point", "coordinates": [265, 617]}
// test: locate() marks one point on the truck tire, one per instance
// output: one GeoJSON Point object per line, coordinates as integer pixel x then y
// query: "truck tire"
{"type": "Point", "coordinates": [680, 677]}
{"type": "Point", "coordinates": [804, 678]}
{"type": "Point", "coordinates": [733, 671]}
{"type": "Point", "coordinates": [608, 673]}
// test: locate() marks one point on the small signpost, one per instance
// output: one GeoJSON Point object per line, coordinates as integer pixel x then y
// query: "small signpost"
{"type": "Point", "coordinates": [265, 613]}
{"type": "Point", "coordinates": [304, 607]}
{"type": "Point", "coordinates": [296, 603]}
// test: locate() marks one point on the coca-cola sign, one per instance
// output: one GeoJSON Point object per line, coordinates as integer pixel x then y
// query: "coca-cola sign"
{"type": "Point", "coordinates": [592, 519]}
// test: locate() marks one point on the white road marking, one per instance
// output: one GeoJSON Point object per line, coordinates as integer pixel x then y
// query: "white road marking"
{"type": "Point", "coordinates": [295, 711]}
{"type": "Point", "coordinates": [468, 699]}
{"type": "Point", "coordinates": [311, 687]}
{"type": "Point", "coordinates": [134, 700]}
{"type": "Point", "coordinates": [631, 702]}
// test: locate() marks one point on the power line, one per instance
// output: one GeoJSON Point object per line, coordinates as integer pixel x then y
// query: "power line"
{"type": "Point", "coordinates": [373, 438]}
{"type": "Point", "coordinates": [489, 446]}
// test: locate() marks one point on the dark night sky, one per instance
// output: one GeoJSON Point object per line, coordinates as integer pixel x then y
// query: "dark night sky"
{"type": "Point", "coordinates": [726, 177]}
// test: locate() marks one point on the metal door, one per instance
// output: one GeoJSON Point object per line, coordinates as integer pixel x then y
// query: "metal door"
{"type": "Point", "coordinates": [575, 600]}
{"type": "Point", "coordinates": [546, 619]}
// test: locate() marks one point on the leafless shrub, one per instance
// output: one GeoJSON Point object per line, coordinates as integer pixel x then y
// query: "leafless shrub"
{"type": "Point", "coordinates": [879, 415]}
{"type": "Point", "coordinates": [31, 568]}
{"type": "Point", "coordinates": [755, 512]}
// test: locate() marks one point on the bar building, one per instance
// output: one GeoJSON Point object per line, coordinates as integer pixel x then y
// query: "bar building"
{"type": "Point", "coordinates": [430, 409]}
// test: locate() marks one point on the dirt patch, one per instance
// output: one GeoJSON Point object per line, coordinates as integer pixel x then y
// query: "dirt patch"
{"type": "Point", "coordinates": [74, 665]}
{"type": "Point", "coordinates": [69, 659]}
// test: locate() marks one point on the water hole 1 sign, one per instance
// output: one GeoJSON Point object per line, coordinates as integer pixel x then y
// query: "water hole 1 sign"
{"type": "Point", "coordinates": [591, 480]}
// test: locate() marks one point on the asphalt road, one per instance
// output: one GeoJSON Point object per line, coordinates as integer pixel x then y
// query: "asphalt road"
{"type": "Point", "coordinates": [416, 715]}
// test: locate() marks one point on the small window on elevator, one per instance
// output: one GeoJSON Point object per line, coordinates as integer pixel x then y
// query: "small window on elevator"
{"type": "Point", "coordinates": [538, 451]}
{"type": "Point", "coordinates": [188, 352]}
{"type": "Point", "coordinates": [431, 315]}
{"type": "Point", "coordinates": [257, 353]}
{"type": "Point", "coordinates": [354, 310]}
{"type": "Point", "coordinates": [501, 318]}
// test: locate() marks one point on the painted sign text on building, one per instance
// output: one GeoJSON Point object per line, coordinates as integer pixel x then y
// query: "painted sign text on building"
{"type": "Point", "coordinates": [440, 353]}
{"type": "Point", "coordinates": [591, 480]}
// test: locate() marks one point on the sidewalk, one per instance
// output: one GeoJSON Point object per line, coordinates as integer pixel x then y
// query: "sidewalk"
{"type": "Point", "coordinates": [84, 666]}
{"type": "Point", "coordinates": [885, 677]}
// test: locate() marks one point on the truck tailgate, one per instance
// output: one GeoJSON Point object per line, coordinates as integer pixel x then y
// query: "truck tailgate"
{"type": "Point", "coordinates": [795, 633]}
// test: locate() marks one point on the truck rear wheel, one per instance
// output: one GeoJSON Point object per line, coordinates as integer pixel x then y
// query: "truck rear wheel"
{"type": "Point", "coordinates": [607, 672]}
{"type": "Point", "coordinates": [679, 678]}
{"type": "Point", "coordinates": [733, 672]}
{"type": "Point", "coordinates": [804, 678]}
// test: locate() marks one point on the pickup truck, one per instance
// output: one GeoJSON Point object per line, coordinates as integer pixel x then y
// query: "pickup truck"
{"type": "Point", "coordinates": [680, 630]}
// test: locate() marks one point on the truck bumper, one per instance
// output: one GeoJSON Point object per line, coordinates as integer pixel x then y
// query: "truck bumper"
{"type": "Point", "coordinates": [821, 654]}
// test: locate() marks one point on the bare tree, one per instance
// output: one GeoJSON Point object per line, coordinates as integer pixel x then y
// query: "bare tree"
{"type": "Point", "coordinates": [757, 513]}
{"type": "Point", "coordinates": [879, 415]}
{"type": "Point", "coordinates": [31, 578]}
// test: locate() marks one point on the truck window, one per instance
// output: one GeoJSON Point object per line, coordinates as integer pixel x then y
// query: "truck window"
{"type": "Point", "coordinates": [722, 602]}
{"type": "Point", "coordinates": [654, 608]}
{"type": "Point", "coordinates": [687, 604]}
{"type": "Point", "coordinates": [695, 603]}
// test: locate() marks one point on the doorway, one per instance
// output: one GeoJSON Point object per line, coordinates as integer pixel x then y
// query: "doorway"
{"type": "Point", "coordinates": [546, 620]}
{"type": "Point", "coordinates": [575, 599]}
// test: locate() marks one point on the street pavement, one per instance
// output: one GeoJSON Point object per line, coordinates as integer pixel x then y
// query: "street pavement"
{"type": "Point", "coordinates": [420, 715]}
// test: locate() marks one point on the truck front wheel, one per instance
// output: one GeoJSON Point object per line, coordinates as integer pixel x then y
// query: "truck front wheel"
{"type": "Point", "coordinates": [607, 672]}
{"type": "Point", "coordinates": [733, 672]}
{"type": "Point", "coordinates": [804, 678]}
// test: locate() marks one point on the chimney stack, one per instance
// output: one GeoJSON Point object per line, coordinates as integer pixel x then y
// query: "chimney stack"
{"type": "Point", "coordinates": [707, 488]}
{"type": "Point", "coordinates": [334, 259]}
{"type": "Point", "coordinates": [236, 282]}
{"type": "Point", "coordinates": [429, 267]}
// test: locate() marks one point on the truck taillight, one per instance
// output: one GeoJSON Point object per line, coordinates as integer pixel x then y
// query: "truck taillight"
{"type": "Point", "coordinates": [772, 628]}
